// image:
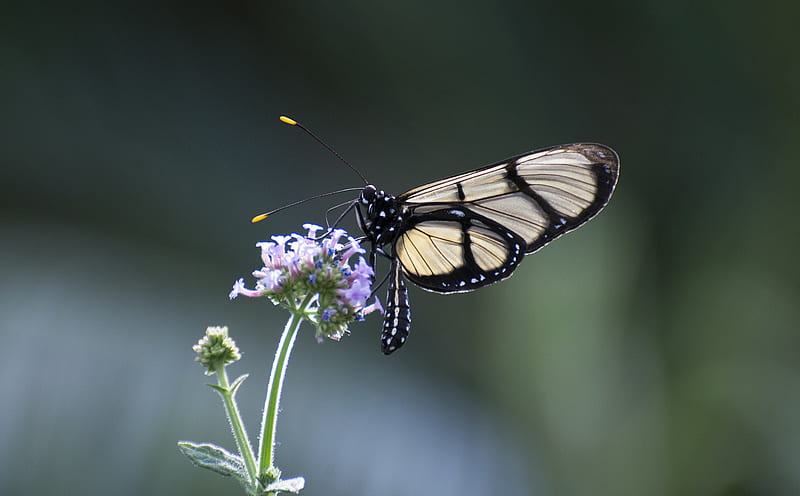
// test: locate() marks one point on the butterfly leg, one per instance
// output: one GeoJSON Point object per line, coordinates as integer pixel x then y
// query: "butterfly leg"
{"type": "Point", "coordinates": [330, 228]}
{"type": "Point", "coordinates": [397, 320]}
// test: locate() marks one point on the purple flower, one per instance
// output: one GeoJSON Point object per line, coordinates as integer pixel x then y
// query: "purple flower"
{"type": "Point", "coordinates": [373, 307]}
{"type": "Point", "coordinates": [354, 248]}
{"type": "Point", "coordinates": [316, 272]}
{"type": "Point", "coordinates": [331, 245]}
{"type": "Point", "coordinates": [362, 270]}
{"type": "Point", "coordinates": [312, 230]}
{"type": "Point", "coordinates": [238, 288]}
{"type": "Point", "coordinates": [357, 293]}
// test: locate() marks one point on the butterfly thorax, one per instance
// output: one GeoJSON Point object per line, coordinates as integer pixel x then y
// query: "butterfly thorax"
{"type": "Point", "coordinates": [381, 217]}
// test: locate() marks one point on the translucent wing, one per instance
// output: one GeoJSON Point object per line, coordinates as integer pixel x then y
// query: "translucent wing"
{"type": "Point", "coordinates": [454, 250]}
{"type": "Point", "coordinates": [470, 230]}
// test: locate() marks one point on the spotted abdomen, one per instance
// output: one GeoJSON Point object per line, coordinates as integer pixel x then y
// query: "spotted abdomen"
{"type": "Point", "coordinates": [397, 320]}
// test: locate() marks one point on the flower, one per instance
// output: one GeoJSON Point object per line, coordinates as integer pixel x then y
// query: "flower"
{"type": "Point", "coordinates": [315, 272]}
{"type": "Point", "coordinates": [216, 349]}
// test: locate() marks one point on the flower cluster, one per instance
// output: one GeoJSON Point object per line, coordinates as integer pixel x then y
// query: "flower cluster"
{"type": "Point", "coordinates": [313, 276]}
{"type": "Point", "coordinates": [216, 349]}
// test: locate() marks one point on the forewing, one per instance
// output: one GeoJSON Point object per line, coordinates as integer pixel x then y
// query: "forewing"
{"type": "Point", "coordinates": [537, 195]}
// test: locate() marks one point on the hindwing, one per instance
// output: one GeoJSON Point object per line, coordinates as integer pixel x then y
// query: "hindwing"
{"type": "Point", "coordinates": [453, 250]}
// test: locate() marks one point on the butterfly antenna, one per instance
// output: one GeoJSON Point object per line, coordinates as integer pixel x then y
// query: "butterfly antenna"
{"type": "Point", "coordinates": [293, 122]}
{"type": "Point", "coordinates": [259, 218]}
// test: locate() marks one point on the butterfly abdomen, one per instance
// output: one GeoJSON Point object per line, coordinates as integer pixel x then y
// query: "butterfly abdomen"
{"type": "Point", "coordinates": [397, 320]}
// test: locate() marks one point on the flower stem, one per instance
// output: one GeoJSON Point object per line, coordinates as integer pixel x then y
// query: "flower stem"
{"type": "Point", "coordinates": [235, 419]}
{"type": "Point", "coordinates": [270, 417]}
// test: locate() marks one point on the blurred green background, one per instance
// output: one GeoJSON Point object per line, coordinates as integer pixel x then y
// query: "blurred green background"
{"type": "Point", "coordinates": [655, 351]}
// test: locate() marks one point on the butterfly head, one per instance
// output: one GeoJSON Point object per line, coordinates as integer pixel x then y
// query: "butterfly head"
{"type": "Point", "coordinates": [368, 195]}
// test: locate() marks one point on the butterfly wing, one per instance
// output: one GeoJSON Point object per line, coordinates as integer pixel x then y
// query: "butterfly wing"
{"type": "Point", "coordinates": [471, 230]}
{"type": "Point", "coordinates": [454, 250]}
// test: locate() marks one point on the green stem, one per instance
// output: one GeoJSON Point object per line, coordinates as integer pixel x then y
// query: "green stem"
{"type": "Point", "coordinates": [270, 418]}
{"type": "Point", "coordinates": [235, 419]}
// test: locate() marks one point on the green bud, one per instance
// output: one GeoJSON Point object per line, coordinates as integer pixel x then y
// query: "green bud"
{"type": "Point", "coordinates": [216, 349]}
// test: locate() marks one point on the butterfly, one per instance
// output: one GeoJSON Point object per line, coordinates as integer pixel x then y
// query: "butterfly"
{"type": "Point", "coordinates": [471, 230]}
{"type": "Point", "coordinates": [468, 231]}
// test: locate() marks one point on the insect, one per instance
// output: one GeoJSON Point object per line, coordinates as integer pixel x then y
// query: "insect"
{"type": "Point", "coordinates": [468, 231]}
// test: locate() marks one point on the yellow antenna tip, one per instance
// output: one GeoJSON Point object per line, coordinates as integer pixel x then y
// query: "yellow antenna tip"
{"type": "Point", "coordinates": [259, 218]}
{"type": "Point", "coordinates": [289, 121]}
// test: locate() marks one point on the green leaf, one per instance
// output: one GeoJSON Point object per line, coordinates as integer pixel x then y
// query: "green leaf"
{"type": "Point", "coordinates": [293, 485]}
{"type": "Point", "coordinates": [220, 389]}
{"type": "Point", "coordinates": [217, 459]}
{"type": "Point", "coordinates": [238, 382]}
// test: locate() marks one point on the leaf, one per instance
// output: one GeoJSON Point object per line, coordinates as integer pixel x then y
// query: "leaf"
{"type": "Point", "coordinates": [238, 382]}
{"type": "Point", "coordinates": [217, 459]}
{"type": "Point", "coordinates": [220, 389]}
{"type": "Point", "coordinates": [293, 485]}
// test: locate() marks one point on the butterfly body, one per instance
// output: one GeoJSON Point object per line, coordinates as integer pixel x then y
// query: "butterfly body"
{"type": "Point", "coordinates": [465, 232]}
{"type": "Point", "coordinates": [382, 218]}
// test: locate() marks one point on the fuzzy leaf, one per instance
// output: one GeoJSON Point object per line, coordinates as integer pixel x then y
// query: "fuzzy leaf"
{"type": "Point", "coordinates": [238, 382]}
{"type": "Point", "coordinates": [293, 485]}
{"type": "Point", "coordinates": [220, 389]}
{"type": "Point", "coordinates": [217, 459]}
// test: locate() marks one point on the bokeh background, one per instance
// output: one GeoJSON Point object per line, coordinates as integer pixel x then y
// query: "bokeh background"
{"type": "Point", "coordinates": [654, 351]}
